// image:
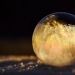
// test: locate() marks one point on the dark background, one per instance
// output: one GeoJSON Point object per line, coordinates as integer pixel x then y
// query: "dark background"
{"type": "Point", "coordinates": [19, 18]}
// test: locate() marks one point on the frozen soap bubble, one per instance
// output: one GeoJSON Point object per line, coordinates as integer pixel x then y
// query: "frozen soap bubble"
{"type": "Point", "coordinates": [53, 39]}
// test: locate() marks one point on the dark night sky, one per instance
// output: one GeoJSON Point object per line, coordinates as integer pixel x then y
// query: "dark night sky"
{"type": "Point", "coordinates": [19, 17]}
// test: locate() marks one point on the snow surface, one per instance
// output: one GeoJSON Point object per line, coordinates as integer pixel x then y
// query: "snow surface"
{"type": "Point", "coordinates": [27, 65]}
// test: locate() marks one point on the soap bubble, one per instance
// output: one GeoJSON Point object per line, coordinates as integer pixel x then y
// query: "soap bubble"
{"type": "Point", "coordinates": [53, 39]}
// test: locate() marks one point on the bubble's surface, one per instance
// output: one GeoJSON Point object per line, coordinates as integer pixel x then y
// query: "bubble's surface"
{"type": "Point", "coordinates": [53, 39]}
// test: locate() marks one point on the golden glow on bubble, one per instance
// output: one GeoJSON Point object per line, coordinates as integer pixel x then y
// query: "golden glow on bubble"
{"type": "Point", "coordinates": [54, 42]}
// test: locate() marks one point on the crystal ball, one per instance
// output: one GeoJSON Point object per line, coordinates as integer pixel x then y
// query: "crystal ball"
{"type": "Point", "coordinates": [53, 39]}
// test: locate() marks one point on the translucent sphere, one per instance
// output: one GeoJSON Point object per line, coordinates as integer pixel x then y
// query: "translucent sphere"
{"type": "Point", "coordinates": [53, 39]}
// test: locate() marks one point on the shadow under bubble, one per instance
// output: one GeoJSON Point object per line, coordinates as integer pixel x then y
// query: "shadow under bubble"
{"type": "Point", "coordinates": [47, 70]}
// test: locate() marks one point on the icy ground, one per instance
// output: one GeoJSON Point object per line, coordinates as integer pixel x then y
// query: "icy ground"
{"type": "Point", "coordinates": [27, 65]}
